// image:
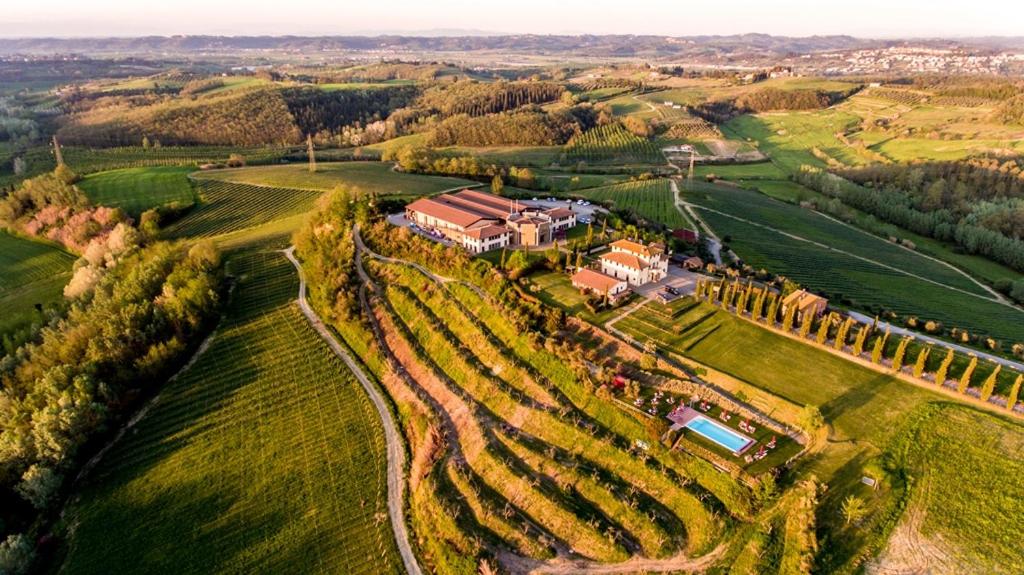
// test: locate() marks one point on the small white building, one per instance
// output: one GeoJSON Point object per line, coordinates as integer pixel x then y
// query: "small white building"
{"type": "Point", "coordinates": [635, 262]}
{"type": "Point", "coordinates": [596, 282]}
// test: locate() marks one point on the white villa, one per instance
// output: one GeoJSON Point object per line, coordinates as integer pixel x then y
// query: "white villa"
{"type": "Point", "coordinates": [634, 262]}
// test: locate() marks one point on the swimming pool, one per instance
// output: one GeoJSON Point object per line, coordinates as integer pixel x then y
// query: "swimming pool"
{"type": "Point", "coordinates": [718, 433]}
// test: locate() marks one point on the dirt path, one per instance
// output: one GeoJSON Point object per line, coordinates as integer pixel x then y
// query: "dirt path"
{"type": "Point", "coordinates": [395, 450]}
{"type": "Point", "coordinates": [714, 245]}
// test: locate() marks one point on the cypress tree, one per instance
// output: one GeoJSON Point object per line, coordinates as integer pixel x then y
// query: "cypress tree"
{"type": "Point", "coordinates": [789, 318]}
{"type": "Point", "coordinates": [806, 324]}
{"type": "Point", "coordinates": [922, 358]}
{"type": "Point", "coordinates": [579, 260]}
{"type": "Point", "coordinates": [943, 371]}
{"type": "Point", "coordinates": [879, 352]}
{"type": "Point", "coordinates": [826, 322]}
{"type": "Point", "coordinates": [844, 331]}
{"type": "Point", "coordinates": [858, 343]}
{"type": "Point", "coordinates": [901, 351]}
{"type": "Point", "coordinates": [501, 265]}
{"type": "Point", "coordinates": [965, 379]}
{"type": "Point", "coordinates": [990, 383]}
{"type": "Point", "coordinates": [1011, 400]}
{"type": "Point", "coordinates": [773, 311]}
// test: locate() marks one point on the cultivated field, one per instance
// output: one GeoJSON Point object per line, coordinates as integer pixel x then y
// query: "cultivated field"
{"type": "Point", "coordinates": [265, 455]}
{"type": "Point", "coordinates": [369, 177]}
{"type": "Point", "coordinates": [853, 268]}
{"type": "Point", "coordinates": [31, 273]}
{"type": "Point", "coordinates": [650, 200]}
{"type": "Point", "coordinates": [612, 144]}
{"type": "Point", "coordinates": [227, 207]}
{"type": "Point", "coordinates": [136, 190]}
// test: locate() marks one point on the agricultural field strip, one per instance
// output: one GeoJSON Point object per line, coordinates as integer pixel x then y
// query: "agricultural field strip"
{"type": "Point", "coordinates": [276, 333]}
{"type": "Point", "coordinates": [650, 199]}
{"type": "Point", "coordinates": [995, 295]}
{"type": "Point", "coordinates": [395, 450]}
{"type": "Point", "coordinates": [850, 254]}
{"type": "Point", "coordinates": [24, 262]}
{"type": "Point", "coordinates": [867, 286]}
{"type": "Point", "coordinates": [229, 207]}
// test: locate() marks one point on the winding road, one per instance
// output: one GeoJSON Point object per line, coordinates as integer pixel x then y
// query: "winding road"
{"type": "Point", "coordinates": [395, 450]}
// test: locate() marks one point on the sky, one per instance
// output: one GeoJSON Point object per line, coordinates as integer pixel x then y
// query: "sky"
{"type": "Point", "coordinates": [862, 18]}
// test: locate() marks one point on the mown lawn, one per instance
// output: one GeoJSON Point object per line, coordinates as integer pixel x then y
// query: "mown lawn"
{"type": "Point", "coordinates": [555, 289]}
{"type": "Point", "coordinates": [136, 190]}
{"type": "Point", "coordinates": [265, 456]}
{"type": "Point", "coordinates": [369, 177]}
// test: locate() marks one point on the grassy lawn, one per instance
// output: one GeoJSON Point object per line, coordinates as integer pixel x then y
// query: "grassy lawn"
{"type": "Point", "coordinates": [375, 177]}
{"type": "Point", "coordinates": [761, 170]}
{"type": "Point", "coordinates": [136, 190]}
{"type": "Point", "coordinates": [266, 455]}
{"type": "Point", "coordinates": [31, 273]}
{"type": "Point", "coordinates": [789, 137]}
{"type": "Point", "coordinates": [555, 289]}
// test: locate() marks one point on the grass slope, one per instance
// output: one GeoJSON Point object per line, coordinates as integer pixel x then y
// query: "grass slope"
{"type": "Point", "coordinates": [227, 207]}
{"type": "Point", "coordinates": [375, 177]}
{"type": "Point", "coordinates": [265, 456]}
{"type": "Point", "coordinates": [136, 190]}
{"type": "Point", "coordinates": [31, 273]}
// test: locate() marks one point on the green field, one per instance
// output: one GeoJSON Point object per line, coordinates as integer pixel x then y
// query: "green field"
{"type": "Point", "coordinates": [227, 207]}
{"type": "Point", "coordinates": [612, 144]}
{"type": "Point", "coordinates": [31, 273]}
{"type": "Point", "coordinates": [370, 177]}
{"type": "Point", "coordinates": [959, 458]}
{"type": "Point", "coordinates": [762, 170]}
{"type": "Point", "coordinates": [857, 277]}
{"type": "Point", "coordinates": [265, 456]}
{"type": "Point", "coordinates": [136, 190]}
{"type": "Point", "coordinates": [651, 200]}
{"type": "Point", "coordinates": [789, 137]}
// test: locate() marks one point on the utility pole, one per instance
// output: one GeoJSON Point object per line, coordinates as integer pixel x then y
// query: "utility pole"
{"type": "Point", "coordinates": [689, 176]}
{"type": "Point", "coordinates": [56, 151]}
{"type": "Point", "coordinates": [310, 152]}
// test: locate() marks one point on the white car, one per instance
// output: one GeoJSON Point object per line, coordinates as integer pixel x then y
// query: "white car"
{"type": "Point", "coordinates": [535, 199]}
{"type": "Point", "coordinates": [579, 202]}
{"type": "Point", "coordinates": [586, 203]}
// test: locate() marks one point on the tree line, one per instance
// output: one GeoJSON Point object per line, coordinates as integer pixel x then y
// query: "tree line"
{"type": "Point", "coordinates": [86, 372]}
{"type": "Point", "coordinates": [898, 207]}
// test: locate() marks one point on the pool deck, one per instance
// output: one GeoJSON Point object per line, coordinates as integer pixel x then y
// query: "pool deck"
{"type": "Point", "coordinates": [683, 415]}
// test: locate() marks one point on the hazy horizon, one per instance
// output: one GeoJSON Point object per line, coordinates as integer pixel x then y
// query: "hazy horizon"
{"type": "Point", "coordinates": [70, 19]}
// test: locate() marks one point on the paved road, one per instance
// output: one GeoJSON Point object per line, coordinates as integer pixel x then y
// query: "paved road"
{"type": "Point", "coordinates": [395, 451]}
{"type": "Point", "coordinates": [938, 342]}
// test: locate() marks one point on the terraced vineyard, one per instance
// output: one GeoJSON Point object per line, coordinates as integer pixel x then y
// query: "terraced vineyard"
{"type": "Point", "coordinates": [612, 143]}
{"type": "Point", "coordinates": [31, 273]}
{"type": "Point", "coordinates": [228, 207]}
{"type": "Point", "coordinates": [535, 463]}
{"type": "Point", "coordinates": [883, 282]}
{"type": "Point", "coordinates": [265, 455]}
{"type": "Point", "coordinates": [651, 200]}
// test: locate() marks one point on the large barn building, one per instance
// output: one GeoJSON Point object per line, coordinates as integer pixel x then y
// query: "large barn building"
{"type": "Point", "coordinates": [481, 222]}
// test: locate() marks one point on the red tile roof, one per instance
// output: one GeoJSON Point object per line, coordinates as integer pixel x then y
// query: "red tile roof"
{"type": "Point", "coordinates": [487, 232]}
{"type": "Point", "coordinates": [594, 280]}
{"type": "Point", "coordinates": [633, 247]}
{"type": "Point", "coordinates": [624, 259]}
{"type": "Point", "coordinates": [445, 212]}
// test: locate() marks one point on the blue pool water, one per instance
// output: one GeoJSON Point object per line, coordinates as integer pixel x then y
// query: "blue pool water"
{"type": "Point", "coordinates": [720, 434]}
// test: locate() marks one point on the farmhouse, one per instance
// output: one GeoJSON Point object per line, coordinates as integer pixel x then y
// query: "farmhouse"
{"type": "Point", "coordinates": [635, 262]}
{"type": "Point", "coordinates": [598, 283]}
{"type": "Point", "coordinates": [805, 303]}
{"type": "Point", "coordinates": [481, 222]}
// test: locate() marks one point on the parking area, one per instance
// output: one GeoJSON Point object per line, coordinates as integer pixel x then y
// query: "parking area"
{"type": "Point", "coordinates": [683, 281]}
{"type": "Point", "coordinates": [583, 212]}
{"type": "Point", "coordinates": [400, 220]}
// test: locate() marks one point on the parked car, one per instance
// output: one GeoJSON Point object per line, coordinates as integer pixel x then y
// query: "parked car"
{"type": "Point", "coordinates": [671, 290]}
{"type": "Point", "coordinates": [535, 199]}
{"type": "Point", "coordinates": [584, 220]}
{"type": "Point", "coordinates": [579, 202]}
